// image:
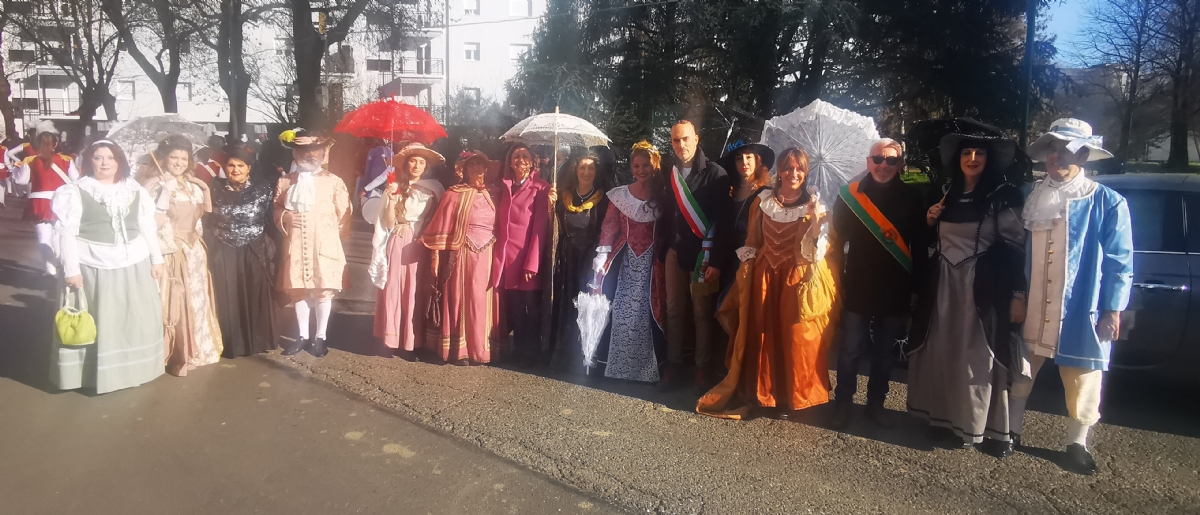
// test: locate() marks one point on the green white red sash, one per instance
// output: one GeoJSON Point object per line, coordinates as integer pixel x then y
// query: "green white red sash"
{"type": "Point", "coordinates": [696, 219]}
{"type": "Point", "coordinates": [879, 225]}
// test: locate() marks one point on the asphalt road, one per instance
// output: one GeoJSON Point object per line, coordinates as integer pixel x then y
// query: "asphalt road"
{"type": "Point", "coordinates": [241, 436]}
{"type": "Point", "coordinates": [627, 444]}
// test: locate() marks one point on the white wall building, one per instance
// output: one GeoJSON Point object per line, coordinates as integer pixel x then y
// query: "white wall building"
{"type": "Point", "coordinates": [486, 38]}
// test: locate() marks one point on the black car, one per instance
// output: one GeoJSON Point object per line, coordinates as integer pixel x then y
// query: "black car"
{"type": "Point", "coordinates": [1161, 328]}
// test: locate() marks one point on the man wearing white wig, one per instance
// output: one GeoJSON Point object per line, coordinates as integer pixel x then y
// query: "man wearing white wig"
{"type": "Point", "coordinates": [312, 210]}
{"type": "Point", "coordinates": [1080, 256]}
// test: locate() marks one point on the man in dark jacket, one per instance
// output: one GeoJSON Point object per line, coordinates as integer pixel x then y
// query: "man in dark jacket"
{"type": "Point", "coordinates": [880, 226]}
{"type": "Point", "coordinates": [692, 225]}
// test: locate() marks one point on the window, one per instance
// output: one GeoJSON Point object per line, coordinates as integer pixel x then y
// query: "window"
{"type": "Point", "coordinates": [523, 8]}
{"type": "Point", "coordinates": [126, 90]}
{"type": "Point", "coordinates": [1157, 218]}
{"type": "Point", "coordinates": [379, 65]}
{"type": "Point", "coordinates": [183, 92]}
{"type": "Point", "coordinates": [21, 56]}
{"type": "Point", "coordinates": [471, 95]}
{"type": "Point", "coordinates": [1193, 222]}
{"type": "Point", "coordinates": [26, 104]}
{"type": "Point", "coordinates": [515, 52]}
{"type": "Point", "coordinates": [471, 51]}
{"type": "Point", "coordinates": [471, 7]}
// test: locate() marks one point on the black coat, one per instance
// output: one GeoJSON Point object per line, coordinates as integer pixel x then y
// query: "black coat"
{"type": "Point", "coordinates": [873, 282]}
{"type": "Point", "coordinates": [710, 186]}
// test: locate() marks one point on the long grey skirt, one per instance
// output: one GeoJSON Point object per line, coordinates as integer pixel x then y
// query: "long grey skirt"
{"type": "Point", "coordinates": [954, 380]}
{"type": "Point", "coordinates": [129, 333]}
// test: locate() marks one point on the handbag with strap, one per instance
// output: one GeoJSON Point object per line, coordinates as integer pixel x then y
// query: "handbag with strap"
{"type": "Point", "coordinates": [73, 323]}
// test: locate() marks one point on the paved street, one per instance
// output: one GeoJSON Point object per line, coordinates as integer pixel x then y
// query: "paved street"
{"type": "Point", "coordinates": [306, 435]}
{"type": "Point", "coordinates": [242, 436]}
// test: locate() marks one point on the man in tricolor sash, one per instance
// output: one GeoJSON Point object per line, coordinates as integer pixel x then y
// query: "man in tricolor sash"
{"type": "Point", "coordinates": [697, 220]}
{"type": "Point", "coordinates": [44, 172]}
{"type": "Point", "coordinates": [879, 222]}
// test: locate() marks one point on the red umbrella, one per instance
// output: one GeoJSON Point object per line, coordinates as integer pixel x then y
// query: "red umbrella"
{"type": "Point", "coordinates": [391, 120]}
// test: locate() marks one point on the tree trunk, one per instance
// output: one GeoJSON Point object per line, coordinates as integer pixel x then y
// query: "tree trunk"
{"type": "Point", "coordinates": [237, 63]}
{"type": "Point", "coordinates": [309, 48]}
{"type": "Point", "coordinates": [1181, 85]}
{"type": "Point", "coordinates": [6, 107]}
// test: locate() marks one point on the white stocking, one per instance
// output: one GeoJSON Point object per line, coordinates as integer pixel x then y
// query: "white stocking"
{"type": "Point", "coordinates": [45, 239]}
{"type": "Point", "coordinates": [1077, 433]}
{"type": "Point", "coordinates": [323, 309]}
{"type": "Point", "coordinates": [302, 317]}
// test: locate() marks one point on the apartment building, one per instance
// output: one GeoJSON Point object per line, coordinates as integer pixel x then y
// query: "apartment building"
{"type": "Point", "coordinates": [425, 65]}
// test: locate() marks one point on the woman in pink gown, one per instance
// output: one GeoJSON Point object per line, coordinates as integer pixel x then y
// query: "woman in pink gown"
{"type": "Point", "coordinates": [400, 263]}
{"type": "Point", "coordinates": [465, 233]}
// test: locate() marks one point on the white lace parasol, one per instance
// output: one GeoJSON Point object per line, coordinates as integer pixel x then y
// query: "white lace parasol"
{"type": "Point", "coordinates": [837, 141]}
{"type": "Point", "coordinates": [541, 129]}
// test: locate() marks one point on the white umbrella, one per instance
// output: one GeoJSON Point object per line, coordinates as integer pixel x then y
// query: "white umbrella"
{"type": "Point", "coordinates": [541, 129]}
{"type": "Point", "coordinates": [592, 319]}
{"type": "Point", "coordinates": [837, 142]}
{"type": "Point", "coordinates": [140, 135]}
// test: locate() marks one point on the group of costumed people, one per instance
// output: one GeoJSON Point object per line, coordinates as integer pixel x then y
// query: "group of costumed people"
{"type": "Point", "coordinates": [178, 269]}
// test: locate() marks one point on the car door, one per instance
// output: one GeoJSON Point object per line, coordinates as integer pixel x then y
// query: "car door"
{"type": "Point", "coordinates": [1153, 326]}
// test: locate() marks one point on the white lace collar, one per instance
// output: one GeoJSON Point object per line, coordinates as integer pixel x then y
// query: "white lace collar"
{"type": "Point", "coordinates": [773, 209]}
{"type": "Point", "coordinates": [429, 187]}
{"type": "Point", "coordinates": [637, 210]}
{"type": "Point", "coordinates": [121, 192]}
{"type": "Point", "coordinates": [1049, 198]}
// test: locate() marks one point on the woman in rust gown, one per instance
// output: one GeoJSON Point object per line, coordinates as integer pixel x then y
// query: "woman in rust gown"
{"type": "Point", "coordinates": [778, 309]}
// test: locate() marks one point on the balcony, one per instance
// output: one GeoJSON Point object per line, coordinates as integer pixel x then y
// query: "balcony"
{"type": "Point", "coordinates": [49, 106]}
{"type": "Point", "coordinates": [421, 67]}
{"type": "Point", "coordinates": [425, 22]}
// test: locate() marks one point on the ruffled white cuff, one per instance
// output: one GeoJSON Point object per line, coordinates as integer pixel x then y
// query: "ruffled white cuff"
{"type": "Point", "coordinates": [747, 253]}
{"type": "Point", "coordinates": [815, 244]}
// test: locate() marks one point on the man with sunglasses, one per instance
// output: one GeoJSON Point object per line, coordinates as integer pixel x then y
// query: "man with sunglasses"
{"type": "Point", "coordinates": [879, 222]}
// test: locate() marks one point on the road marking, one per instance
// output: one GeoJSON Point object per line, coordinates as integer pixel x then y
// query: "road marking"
{"type": "Point", "coordinates": [585, 505]}
{"type": "Point", "coordinates": [601, 433]}
{"type": "Point", "coordinates": [567, 412]}
{"type": "Point", "coordinates": [353, 435]}
{"type": "Point", "coordinates": [264, 384]}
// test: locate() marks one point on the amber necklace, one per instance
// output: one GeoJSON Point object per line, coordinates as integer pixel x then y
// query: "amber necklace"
{"type": "Point", "coordinates": [588, 203]}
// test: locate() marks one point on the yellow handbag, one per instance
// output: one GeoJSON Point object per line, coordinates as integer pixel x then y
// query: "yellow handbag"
{"type": "Point", "coordinates": [74, 325]}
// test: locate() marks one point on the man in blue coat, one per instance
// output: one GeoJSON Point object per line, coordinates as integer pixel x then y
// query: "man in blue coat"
{"type": "Point", "coordinates": [1080, 259]}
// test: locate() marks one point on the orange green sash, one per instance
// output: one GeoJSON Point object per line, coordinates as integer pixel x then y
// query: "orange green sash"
{"type": "Point", "coordinates": [879, 225]}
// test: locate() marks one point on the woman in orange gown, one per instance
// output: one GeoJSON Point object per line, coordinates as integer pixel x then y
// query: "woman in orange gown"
{"type": "Point", "coordinates": [779, 307]}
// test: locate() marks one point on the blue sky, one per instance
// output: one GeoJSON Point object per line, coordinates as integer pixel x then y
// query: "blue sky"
{"type": "Point", "coordinates": [1064, 21]}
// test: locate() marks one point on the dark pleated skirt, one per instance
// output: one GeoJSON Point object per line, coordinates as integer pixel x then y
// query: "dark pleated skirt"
{"type": "Point", "coordinates": [243, 281]}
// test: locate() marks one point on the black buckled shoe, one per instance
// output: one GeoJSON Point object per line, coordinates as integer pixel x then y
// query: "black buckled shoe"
{"type": "Point", "coordinates": [295, 347]}
{"type": "Point", "coordinates": [998, 448]}
{"type": "Point", "coordinates": [1079, 460]}
{"type": "Point", "coordinates": [318, 348]}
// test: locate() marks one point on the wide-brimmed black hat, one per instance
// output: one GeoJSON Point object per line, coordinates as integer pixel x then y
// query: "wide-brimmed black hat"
{"type": "Point", "coordinates": [764, 152]}
{"type": "Point", "coordinates": [1000, 151]}
{"type": "Point", "coordinates": [304, 138]}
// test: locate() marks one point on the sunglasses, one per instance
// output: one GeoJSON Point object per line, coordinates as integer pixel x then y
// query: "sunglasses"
{"type": "Point", "coordinates": [891, 161]}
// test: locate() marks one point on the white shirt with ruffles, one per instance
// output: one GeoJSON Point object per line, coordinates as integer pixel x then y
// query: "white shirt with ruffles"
{"type": "Point", "coordinates": [74, 252]}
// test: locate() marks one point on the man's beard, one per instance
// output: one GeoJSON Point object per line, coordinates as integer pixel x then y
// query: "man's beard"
{"type": "Point", "coordinates": [308, 166]}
